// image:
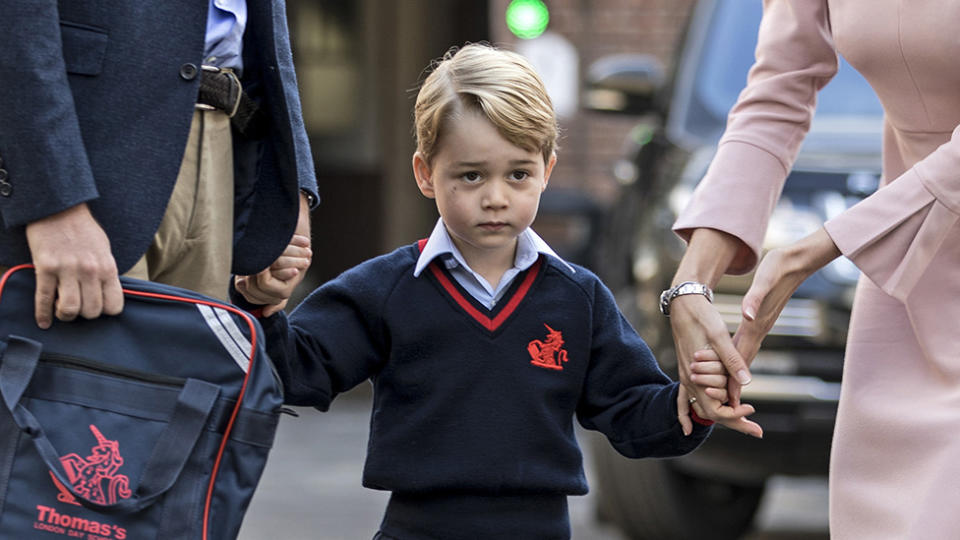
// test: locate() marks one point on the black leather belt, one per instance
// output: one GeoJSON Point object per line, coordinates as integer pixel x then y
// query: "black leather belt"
{"type": "Point", "coordinates": [221, 90]}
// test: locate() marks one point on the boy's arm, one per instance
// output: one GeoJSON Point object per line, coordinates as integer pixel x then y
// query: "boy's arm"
{"type": "Point", "coordinates": [626, 395]}
{"type": "Point", "coordinates": [333, 340]}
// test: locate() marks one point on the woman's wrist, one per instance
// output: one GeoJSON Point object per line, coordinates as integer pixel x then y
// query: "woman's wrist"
{"type": "Point", "coordinates": [707, 257]}
{"type": "Point", "coordinates": [812, 253]}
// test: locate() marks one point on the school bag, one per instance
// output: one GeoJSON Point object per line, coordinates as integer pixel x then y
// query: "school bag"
{"type": "Point", "coordinates": [153, 424]}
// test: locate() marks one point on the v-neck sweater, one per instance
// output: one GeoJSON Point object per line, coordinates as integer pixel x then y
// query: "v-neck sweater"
{"type": "Point", "coordinates": [469, 400]}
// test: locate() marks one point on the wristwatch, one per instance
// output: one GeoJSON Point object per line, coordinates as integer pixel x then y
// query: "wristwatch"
{"type": "Point", "coordinates": [680, 289]}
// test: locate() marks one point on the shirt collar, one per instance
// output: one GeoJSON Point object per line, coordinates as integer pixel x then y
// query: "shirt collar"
{"type": "Point", "coordinates": [529, 248]}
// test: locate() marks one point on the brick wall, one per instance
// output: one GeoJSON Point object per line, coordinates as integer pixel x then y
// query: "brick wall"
{"type": "Point", "coordinates": [591, 141]}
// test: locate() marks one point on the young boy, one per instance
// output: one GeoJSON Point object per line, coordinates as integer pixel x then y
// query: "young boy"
{"type": "Point", "coordinates": [482, 344]}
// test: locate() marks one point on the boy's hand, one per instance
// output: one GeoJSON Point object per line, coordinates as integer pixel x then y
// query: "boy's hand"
{"type": "Point", "coordinates": [274, 286]}
{"type": "Point", "coordinates": [708, 372]}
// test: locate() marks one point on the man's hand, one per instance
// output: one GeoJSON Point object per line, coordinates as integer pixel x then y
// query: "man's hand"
{"type": "Point", "coordinates": [75, 269]}
{"type": "Point", "coordinates": [273, 286]}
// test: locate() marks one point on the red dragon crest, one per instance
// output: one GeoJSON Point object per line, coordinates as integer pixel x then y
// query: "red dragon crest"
{"type": "Point", "coordinates": [548, 353]}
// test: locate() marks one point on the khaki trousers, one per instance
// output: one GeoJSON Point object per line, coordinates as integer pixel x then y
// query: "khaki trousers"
{"type": "Point", "coordinates": [194, 244]}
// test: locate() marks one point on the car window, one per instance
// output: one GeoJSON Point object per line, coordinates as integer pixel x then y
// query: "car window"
{"type": "Point", "coordinates": [728, 53]}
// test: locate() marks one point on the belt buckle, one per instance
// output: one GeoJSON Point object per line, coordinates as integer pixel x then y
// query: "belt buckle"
{"type": "Point", "coordinates": [236, 80]}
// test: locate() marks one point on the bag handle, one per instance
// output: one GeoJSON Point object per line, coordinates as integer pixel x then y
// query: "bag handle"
{"type": "Point", "coordinates": [169, 455]}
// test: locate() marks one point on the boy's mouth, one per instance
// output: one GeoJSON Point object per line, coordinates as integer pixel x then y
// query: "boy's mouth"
{"type": "Point", "coordinates": [493, 225]}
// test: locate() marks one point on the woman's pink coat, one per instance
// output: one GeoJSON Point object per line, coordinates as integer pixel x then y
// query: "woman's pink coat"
{"type": "Point", "coordinates": [895, 462]}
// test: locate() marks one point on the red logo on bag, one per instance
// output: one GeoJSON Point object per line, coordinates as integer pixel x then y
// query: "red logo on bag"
{"type": "Point", "coordinates": [95, 476]}
{"type": "Point", "coordinates": [549, 353]}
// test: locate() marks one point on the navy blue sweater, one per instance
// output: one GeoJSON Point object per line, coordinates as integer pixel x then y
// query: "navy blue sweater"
{"type": "Point", "coordinates": [475, 401]}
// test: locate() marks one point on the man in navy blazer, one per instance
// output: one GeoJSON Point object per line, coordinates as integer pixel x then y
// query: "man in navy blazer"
{"type": "Point", "coordinates": [97, 98]}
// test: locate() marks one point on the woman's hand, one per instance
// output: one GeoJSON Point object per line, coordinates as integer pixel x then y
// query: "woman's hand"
{"type": "Point", "coordinates": [781, 271]}
{"type": "Point", "coordinates": [697, 326]}
{"type": "Point", "coordinates": [694, 320]}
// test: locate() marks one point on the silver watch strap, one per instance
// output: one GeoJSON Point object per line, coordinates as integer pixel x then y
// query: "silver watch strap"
{"type": "Point", "coordinates": [680, 289]}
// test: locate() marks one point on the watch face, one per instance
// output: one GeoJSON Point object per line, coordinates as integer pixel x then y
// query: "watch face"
{"type": "Point", "coordinates": [665, 302]}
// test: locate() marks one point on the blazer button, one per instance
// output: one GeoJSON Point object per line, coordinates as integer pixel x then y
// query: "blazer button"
{"type": "Point", "coordinates": [188, 72]}
{"type": "Point", "coordinates": [6, 189]}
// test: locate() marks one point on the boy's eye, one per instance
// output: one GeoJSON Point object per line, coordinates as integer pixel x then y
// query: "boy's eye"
{"type": "Point", "coordinates": [519, 175]}
{"type": "Point", "coordinates": [471, 176]}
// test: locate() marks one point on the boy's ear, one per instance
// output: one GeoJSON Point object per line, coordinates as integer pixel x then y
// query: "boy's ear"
{"type": "Point", "coordinates": [548, 170]}
{"type": "Point", "coordinates": [421, 170]}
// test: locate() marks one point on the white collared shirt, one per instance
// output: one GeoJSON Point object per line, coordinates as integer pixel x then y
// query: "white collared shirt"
{"type": "Point", "coordinates": [529, 248]}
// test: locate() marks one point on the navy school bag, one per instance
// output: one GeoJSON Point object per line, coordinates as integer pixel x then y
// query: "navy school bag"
{"type": "Point", "coordinates": [153, 424]}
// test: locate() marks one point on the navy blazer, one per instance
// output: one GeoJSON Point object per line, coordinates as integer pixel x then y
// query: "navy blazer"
{"type": "Point", "coordinates": [96, 100]}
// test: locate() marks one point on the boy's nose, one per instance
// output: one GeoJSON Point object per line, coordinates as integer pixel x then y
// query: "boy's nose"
{"type": "Point", "coordinates": [495, 196]}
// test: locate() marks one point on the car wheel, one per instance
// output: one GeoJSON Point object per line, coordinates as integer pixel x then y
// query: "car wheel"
{"type": "Point", "coordinates": [652, 499]}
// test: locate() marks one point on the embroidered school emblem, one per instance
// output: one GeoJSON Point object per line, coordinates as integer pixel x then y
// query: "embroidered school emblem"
{"type": "Point", "coordinates": [95, 476]}
{"type": "Point", "coordinates": [549, 353]}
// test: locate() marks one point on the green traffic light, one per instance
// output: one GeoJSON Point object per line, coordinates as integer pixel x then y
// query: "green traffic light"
{"type": "Point", "coordinates": [527, 19]}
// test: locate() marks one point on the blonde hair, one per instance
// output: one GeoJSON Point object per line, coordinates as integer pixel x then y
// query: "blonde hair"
{"type": "Point", "coordinates": [501, 85]}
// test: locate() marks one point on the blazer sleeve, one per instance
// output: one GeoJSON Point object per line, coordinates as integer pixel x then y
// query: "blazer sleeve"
{"type": "Point", "coordinates": [895, 234]}
{"type": "Point", "coordinates": [40, 140]}
{"type": "Point", "coordinates": [626, 396]}
{"type": "Point", "coordinates": [795, 58]}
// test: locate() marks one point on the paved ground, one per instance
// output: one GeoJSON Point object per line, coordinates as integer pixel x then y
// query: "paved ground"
{"type": "Point", "coordinates": [311, 488]}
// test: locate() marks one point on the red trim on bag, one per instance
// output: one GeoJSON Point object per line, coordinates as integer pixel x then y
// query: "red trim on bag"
{"type": "Point", "coordinates": [9, 272]}
{"type": "Point", "coordinates": [243, 388]}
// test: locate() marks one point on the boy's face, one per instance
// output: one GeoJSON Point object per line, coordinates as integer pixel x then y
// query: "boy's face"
{"type": "Point", "coordinates": [487, 189]}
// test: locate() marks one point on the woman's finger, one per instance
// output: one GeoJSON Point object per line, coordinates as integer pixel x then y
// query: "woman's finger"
{"type": "Point", "coordinates": [683, 411]}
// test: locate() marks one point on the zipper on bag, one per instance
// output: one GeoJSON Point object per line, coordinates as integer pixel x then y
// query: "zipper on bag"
{"type": "Point", "coordinates": [102, 368]}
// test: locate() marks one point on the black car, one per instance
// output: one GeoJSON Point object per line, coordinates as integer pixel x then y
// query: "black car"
{"type": "Point", "coordinates": [714, 492]}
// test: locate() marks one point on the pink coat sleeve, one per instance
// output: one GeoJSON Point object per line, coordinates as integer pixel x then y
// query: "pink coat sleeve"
{"type": "Point", "coordinates": [795, 58]}
{"type": "Point", "coordinates": [906, 239]}
{"type": "Point", "coordinates": [894, 235]}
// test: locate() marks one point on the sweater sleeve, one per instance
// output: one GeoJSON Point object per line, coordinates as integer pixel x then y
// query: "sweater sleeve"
{"type": "Point", "coordinates": [626, 396]}
{"type": "Point", "coordinates": [40, 141]}
{"type": "Point", "coordinates": [795, 58]}
{"type": "Point", "coordinates": [334, 340]}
